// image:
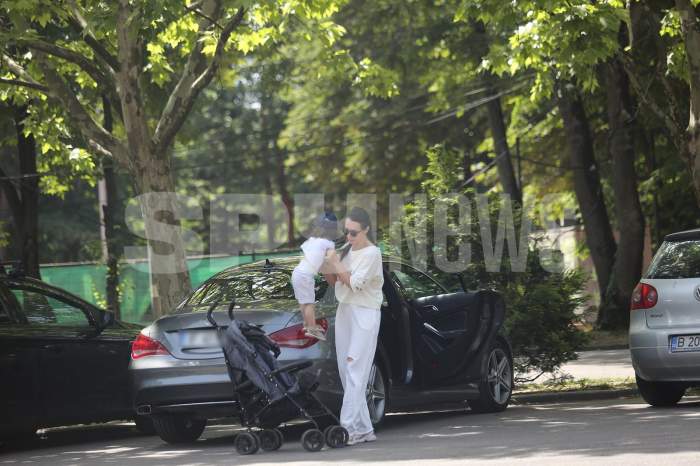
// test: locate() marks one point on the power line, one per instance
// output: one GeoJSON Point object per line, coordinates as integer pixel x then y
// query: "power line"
{"type": "Point", "coordinates": [398, 112]}
{"type": "Point", "coordinates": [467, 106]}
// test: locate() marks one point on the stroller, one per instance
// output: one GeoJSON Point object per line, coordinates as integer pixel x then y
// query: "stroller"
{"type": "Point", "coordinates": [268, 395]}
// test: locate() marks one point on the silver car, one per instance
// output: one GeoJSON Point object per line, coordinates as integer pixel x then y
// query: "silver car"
{"type": "Point", "coordinates": [434, 346]}
{"type": "Point", "coordinates": [664, 335]}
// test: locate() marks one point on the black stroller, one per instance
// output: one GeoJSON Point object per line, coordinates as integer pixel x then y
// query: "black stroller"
{"type": "Point", "coordinates": [268, 395]}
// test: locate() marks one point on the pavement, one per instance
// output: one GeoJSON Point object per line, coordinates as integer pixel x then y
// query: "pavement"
{"type": "Point", "coordinates": [607, 432]}
{"type": "Point", "coordinates": [597, 364]}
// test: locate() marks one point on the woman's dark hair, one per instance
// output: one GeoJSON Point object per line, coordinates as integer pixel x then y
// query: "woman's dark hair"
{"type": "Point", "coordinates": [359, 215]}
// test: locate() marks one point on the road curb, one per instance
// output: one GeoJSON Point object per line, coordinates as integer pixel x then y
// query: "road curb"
{"type": "Point", "coordinates": [577, 395]}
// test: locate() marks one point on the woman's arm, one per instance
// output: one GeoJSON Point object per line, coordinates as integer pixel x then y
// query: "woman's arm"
{"type": "Point", "coordinates": [340, 272]}
{"type": "Point", "coordinates": [330, 278]}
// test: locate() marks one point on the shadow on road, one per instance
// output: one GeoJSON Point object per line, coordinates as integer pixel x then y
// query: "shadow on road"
{"type": "Point", "coordinates": [600, 429]}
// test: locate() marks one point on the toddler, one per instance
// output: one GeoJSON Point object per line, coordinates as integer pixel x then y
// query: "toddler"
{"type": "Point", "coordinates": [304, 274]}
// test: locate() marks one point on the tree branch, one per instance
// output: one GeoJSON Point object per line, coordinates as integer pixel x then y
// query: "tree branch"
{"type": "Point", "coordinates": [103, 78]}
{"type": "Point", "coordinates": [19, 71]}
{"type": "Point", "coordinates": [95, 135]}
{"type": "Point", "coordinates": [199, 13]}
{"type": "Point", "coordinates": [643, 94]}
{"type": "Point", "coordinates": [129, 41]}
{"type": "Point", "coordinates": [195, 77]}
{"type": "Point", "coordinates": [80, 25]}
{"type": "Point", "coordinates": [17, 82]}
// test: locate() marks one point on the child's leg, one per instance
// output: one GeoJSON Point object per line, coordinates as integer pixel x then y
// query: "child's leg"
{"type": "Point", "coordinates": [308, 311]}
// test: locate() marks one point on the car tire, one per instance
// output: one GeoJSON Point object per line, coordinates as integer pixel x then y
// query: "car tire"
{"type": "Point", "coordinates": [496, 381]}
{"type": "Point", "coordinates": [660, 394]}
{"type": "Point", "coordinates": [178, 429]}
{"type": "Point", "coordinates": [144, 424]}
{"type": "Point", "coordinates": [377, 394]}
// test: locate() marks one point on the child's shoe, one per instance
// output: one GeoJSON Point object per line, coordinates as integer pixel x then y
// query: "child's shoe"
{"type": "Point", "coordinates": [315, 332]}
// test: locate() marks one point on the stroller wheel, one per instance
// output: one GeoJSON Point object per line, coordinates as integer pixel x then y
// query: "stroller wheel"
{"type": "Point", "coordinates": [270, 440]}
{"type": "Point", "coordinates": [336, 436]}
{"type": "Point", "coordinates": [247, 443]}
{"type": "Point", "coordinates": [279, 435]}
{"type": "Point", "coordinates": [312, 440]}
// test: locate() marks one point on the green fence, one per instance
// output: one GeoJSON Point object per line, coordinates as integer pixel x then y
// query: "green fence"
{"type": "Point", "coordinates": [88, 280]}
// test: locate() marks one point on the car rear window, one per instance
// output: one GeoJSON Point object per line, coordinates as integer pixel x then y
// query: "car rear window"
{"type": "Point", "coordinates": [248, 288]}
{"type": "Point", "coordinates": [676, 259]}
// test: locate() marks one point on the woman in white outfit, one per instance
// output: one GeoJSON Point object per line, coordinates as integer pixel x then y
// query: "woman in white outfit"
{"type": "Point", "coordinates": [358, 283]}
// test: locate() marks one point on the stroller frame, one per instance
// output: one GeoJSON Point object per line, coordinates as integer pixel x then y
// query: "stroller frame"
{"type": "Point", "coordinates": [269, 437]}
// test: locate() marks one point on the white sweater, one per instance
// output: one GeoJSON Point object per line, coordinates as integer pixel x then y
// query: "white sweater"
{"type": "Point", "coordinates": [366, 278]}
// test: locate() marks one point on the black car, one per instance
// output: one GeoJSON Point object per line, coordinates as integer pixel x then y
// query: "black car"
{"type": "Point", "coordinates": [62, 360]}
{"type": "Point", "coordinates": [435, 345]}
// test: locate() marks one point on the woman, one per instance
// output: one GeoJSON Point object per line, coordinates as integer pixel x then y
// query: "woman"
{"type": "Point", "coordinates": [358, 283]}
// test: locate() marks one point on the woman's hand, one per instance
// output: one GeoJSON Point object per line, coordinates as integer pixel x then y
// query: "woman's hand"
{"type": "Point", "coordinates": [332, 256]}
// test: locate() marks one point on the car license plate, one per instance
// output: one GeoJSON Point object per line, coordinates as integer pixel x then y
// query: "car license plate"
{"type": "Point", "coordinates": [198, 339]}
{"type": "Point", "coordinates": [685, 343]}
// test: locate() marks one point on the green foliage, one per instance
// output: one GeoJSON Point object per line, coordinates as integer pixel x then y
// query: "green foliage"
{"type": "Point", "coordinates": [540, 304]}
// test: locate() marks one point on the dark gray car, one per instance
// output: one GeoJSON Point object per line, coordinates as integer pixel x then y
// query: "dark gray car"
{"type": "Point", "coordinates": [434, 346]}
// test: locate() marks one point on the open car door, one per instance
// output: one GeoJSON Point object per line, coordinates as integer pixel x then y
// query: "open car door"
{"type": "Point", "coordinates": [450, 331]}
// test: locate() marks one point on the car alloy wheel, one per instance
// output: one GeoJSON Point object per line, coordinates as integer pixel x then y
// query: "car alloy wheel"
{"type": "Point", "coordinates": [499, 376]}
{"type": "Point", "coordinates": [376, 394]}
{"type": "Point", "coordinates": [496, 385]}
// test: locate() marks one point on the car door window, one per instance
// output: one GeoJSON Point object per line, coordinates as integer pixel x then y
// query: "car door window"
{"type": "Point", "coordinates": [416, 284]}
{"type": "Point", "coordinates": [43, 309]}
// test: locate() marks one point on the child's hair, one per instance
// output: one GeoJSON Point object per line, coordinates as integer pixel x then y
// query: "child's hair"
{"type": "Point", "coordinates": [326, 226]}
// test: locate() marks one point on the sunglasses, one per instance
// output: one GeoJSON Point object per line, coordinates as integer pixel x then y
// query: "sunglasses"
{"type": "Point", "coordinates": [352, 233]}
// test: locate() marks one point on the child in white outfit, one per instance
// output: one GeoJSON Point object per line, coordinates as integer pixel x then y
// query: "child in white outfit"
{"type": "Point", "coordinates": [304, 274]}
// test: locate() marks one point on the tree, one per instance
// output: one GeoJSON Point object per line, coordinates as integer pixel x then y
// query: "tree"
{"type": "Point", "coordinates": [129, 51]}
{"type": "Point", "coordinates": [567, 45]}
{"type": "Point", "coordinates": [22, 193]}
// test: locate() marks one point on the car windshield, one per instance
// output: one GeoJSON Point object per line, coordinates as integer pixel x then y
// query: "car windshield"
{"type": "Point", "coordinates": [249, 288]}
{"type": "Point", "coordinates": [676, 259]}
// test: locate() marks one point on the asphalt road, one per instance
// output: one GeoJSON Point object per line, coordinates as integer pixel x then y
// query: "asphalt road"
{"type": "Point", "coordinates": [601, 432]}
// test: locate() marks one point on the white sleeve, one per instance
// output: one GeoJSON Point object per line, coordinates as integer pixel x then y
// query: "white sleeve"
{"type": "Point", "coordinates": [368, 266]}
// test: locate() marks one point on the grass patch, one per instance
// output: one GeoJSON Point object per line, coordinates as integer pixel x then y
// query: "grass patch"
{"type": "Point", "coordinates": [569, 385]}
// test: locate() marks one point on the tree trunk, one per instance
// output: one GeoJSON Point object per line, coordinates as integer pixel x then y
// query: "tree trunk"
{"type": "Point", "coordinates": [628, 210]}
{"type": "Point", "coordinates": [587, 186]}
{"type": "Point", "coordinates": [466, 166]}
{"type": "Point", "coordinates": [27, 223]}
{"type": "Point", "coordinates": [691, 41]}
{"type": "Point", "coordinates": [504, 162]}
{"type": "Point", "coordinates": [107, 193]}
{"type": "Point", "coordinates": [169, 275]}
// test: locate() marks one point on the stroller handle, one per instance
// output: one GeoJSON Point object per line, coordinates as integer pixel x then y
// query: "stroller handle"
{"type": "Point", "coordinates": [230, 309]}
{"type": "Point", "coordinates": [210, 312]}
{"type": "Point", "coordinates": [210, 318]}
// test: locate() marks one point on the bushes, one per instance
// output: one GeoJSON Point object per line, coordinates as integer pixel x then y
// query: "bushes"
{"type": "Point", "coordinates": [541, 303]}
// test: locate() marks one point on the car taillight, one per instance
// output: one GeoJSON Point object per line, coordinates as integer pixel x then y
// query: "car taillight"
{"type": "Point", "coordinates": [145, 346]}
{"type": "Point", "coordinates": [644, 296]}
{"type": "Point", "coordinates": [293, 337]}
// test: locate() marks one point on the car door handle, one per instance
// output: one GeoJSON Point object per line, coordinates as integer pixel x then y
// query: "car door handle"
{"type": "Point", "coordinates": [431, 308]}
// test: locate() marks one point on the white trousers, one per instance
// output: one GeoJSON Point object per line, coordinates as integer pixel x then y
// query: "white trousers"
{"type": "Point", "coordinates": [356, 331]}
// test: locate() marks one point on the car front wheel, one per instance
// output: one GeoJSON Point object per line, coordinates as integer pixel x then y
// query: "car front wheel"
{"type": "Point", "coordinates": [496, 384]}
{"type": "Point", "coordinates": [660, 394]}
{"type": "Point", "coordinates": [377, 394]}
{"type": "Point", "coordinates": [178, 429]}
